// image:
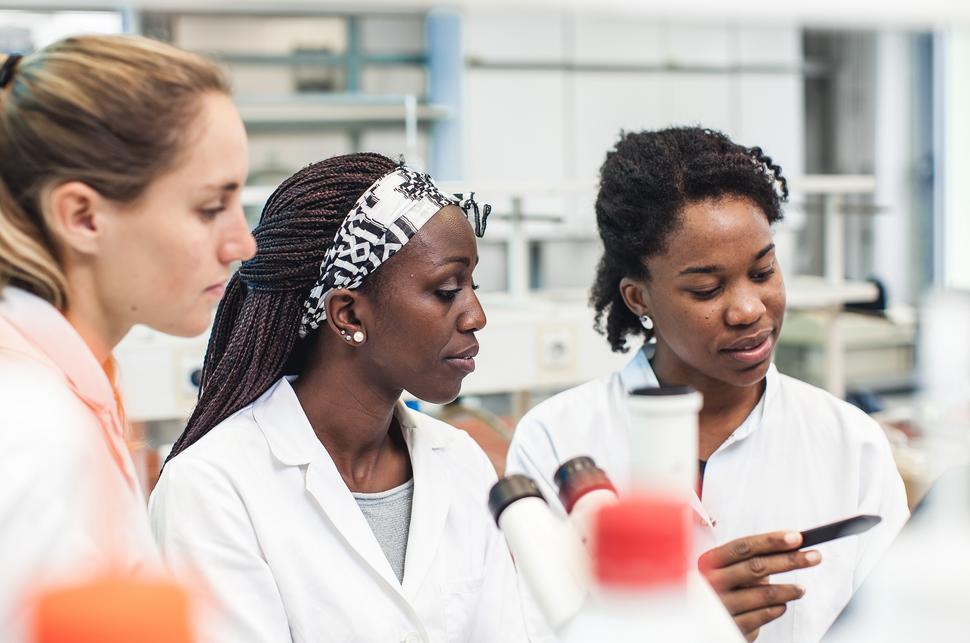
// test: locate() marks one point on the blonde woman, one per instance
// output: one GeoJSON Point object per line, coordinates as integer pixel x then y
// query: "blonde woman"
{"type": "Point", "coordinates": [121, 162]}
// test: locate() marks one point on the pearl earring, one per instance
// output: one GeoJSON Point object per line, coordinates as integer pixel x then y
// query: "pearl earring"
{"type": "Point", "coordinates": [646, 322]}
{"type": "Point", "coordinates": [358, 337]}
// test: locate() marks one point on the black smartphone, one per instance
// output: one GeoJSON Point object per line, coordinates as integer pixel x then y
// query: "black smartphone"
{"type": "Point", "coordinates": [831, 531]}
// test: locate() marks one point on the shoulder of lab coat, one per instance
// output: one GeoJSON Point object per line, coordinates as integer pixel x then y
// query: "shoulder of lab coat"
{"type": "Point", "coordinates": [203, 529]}
{"type": "Point", "coordinates": [201, 520]}
{"type": "Point", "coordinates": [50, 462]}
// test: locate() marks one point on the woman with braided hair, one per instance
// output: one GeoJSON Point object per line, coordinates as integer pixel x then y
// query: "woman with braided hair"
{"type": "Point", "coordinates": [310, 501]}
{"type": "Point", "coordinates": [689, 266]}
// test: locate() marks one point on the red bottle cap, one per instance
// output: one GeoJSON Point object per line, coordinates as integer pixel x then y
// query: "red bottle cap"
{"type": "Point", "coordinates": [642, 541]}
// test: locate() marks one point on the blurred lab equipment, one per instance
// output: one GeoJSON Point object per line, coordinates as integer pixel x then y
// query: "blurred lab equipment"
{"type": "Point", "coordinates": [640, 569]}
{"type": "Point", "coordinates": [663, 438]}
{"type": "Point", "coordinates": [923, 575]}
{"type": "Point", "coordinates": [584, 489]}
{"type": "Point", "coordinates": [548, 552]}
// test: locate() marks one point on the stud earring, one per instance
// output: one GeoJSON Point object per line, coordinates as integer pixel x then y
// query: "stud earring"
{"type": "Point", "coordinates": [646, 322]}
{"type": "Point", "coordinates": [358, 337]}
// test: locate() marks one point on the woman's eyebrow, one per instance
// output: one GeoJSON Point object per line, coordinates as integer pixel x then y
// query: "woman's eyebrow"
{"type": "Point", "coordinates": [229, 186]}
{"type": "Point", "coordinates": [700, 270]}
{"type": "Point", "coordinates": [768, 248]}
{"type": "Point", "coordinates": [714, 268]}
{"type": "Point", "coordinates": [444, 262]}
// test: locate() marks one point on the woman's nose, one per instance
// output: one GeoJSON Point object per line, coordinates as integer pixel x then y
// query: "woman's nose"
{"type": "Point", "coordinates": [745, 309]}
{"type": "Point", "coordinates": [239, 243]}
{"type": "Point", "coordinates": [473, 319]}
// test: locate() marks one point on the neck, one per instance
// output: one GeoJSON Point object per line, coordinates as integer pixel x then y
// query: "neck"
{"type": "Point", "coordinates": [725, 405]}
{"type": "Point", "coordinates": [352, 417]}
{"type": "Point", "coordinates": [92, 321]}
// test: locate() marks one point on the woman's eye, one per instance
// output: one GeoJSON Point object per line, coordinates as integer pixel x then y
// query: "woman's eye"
{"type": "Point", "coordinates": [764, 275]}
{"type": "Point", "coordinates": [447, 294]}
{"type": "Point", "coordinates": [212, 213]}
{"type": "Point", "coordinates": [704, 294]}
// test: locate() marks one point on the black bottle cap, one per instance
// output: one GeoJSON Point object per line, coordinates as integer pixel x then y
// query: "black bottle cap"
{"type": "Point", "coordinates": [511, 489]}
{"type": "Point", "coordinates": [577, 477]}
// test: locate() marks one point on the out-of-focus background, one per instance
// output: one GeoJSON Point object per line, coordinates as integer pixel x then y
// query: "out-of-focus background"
{"type": "Point", "coordinates": [864, 104]}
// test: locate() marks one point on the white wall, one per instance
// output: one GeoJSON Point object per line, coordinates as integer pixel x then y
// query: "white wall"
{"type": "Point", "coordinates": [555, 125]}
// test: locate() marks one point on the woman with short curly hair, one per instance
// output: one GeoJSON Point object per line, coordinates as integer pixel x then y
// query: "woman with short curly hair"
{"type": "Point", "coordinates": [689, 266]}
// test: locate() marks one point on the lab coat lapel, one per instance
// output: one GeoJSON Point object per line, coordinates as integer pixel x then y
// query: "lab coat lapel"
{"type": "Point", "coordinates": [293, 442]}
{"type": "Point", "coordinates": [325, 485]}
{"type": "Point", "coordinates": [429, 509]}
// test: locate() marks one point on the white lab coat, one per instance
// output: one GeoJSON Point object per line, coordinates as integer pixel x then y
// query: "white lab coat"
{"type": "Point", "coordinates": [258, 510]}
{"type": "Point", "coordinates": [70, 504]}
{"type": "Point", "coordinates": [801, 459]}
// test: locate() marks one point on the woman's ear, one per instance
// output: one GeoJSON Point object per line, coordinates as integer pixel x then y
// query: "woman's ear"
{"type": "Point", "coordinates": [635, 296]}
{"type": "Point", "coordinates": [342, 316]}
{"type": "Point", "coordinates": [74, 215]}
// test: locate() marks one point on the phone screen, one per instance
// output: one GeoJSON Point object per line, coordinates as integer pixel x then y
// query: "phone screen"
{"type": "Point", "coordinates": [839, 529]}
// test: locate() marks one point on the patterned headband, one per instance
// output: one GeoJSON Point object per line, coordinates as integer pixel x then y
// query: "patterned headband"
{"type": "Point", "coordinates": [385, 217]}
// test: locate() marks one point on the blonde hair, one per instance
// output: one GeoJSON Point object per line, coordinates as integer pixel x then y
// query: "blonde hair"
{"type": "Point", "coordinates": [109, 111]}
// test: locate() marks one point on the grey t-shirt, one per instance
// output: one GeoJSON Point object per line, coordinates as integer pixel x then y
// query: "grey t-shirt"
{"type": "Point", "coordinates": [389, 515]}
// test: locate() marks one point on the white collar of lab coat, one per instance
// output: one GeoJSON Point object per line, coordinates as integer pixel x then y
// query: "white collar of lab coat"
{"type": "Point", "coordinates": [639, 374]}
{"type": "Point", "coordinates": [292, 440]}
{"type": "Point", "coordinates": [290, 436]}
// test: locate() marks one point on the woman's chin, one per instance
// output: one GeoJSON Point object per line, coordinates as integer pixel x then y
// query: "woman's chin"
{"type": "Point", "coordinates": [438, 394]}
{"type": "Point", "coordinates": [191, 325]}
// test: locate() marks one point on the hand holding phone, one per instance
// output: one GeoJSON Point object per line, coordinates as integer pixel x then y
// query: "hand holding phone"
{"type": "Point", "coordinates": [739, 572]}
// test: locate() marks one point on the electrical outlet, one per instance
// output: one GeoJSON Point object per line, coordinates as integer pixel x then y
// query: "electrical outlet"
{"type": "Point", "coordinates": [557, 348]}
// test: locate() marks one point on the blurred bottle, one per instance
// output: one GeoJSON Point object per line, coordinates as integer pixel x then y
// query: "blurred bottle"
{"type": "Point", "coordinates": [663, 438]}
{"type": "Point", "coordinates": [918, 591]}
{"type": "Point", "coordinates": [640, 576]}
{"type": "Point", "coordinates": [548, 552]}
{"type": "Point", "coordinates": [113, 610]}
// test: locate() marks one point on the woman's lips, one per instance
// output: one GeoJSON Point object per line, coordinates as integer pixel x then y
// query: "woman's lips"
{"type": "Point", "coordinates": [216, 290]}
{"type": "Point", "coordinates": [464, 361]}
{"type": "Point", "coordinates": [753, 354]}
{"type": "Point", "coordinates": [463, 364]}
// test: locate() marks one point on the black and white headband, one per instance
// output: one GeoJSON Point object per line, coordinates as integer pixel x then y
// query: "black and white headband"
{"type": "Point", "coordinates": [385, 217]}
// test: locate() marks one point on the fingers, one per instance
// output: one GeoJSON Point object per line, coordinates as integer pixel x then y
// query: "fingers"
{"type": "Point", "coordinates": [744, 548]}
{"type": "Point", "coordinates": [753, 598]}
{"type": "Point", "coordinates": [751, 636]}
{"type": "Point", "coordinates": [753, 570]}
{"type": "Point", "coordinates": [751, 622]}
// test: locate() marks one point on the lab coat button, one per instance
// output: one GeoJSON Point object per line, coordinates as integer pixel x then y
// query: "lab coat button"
{"type": "Point", "coordinates": [412, 637]}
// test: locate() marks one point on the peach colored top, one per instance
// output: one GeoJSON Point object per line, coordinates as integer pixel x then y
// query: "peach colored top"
{"type": "Point", "coordinates": [70, 501]}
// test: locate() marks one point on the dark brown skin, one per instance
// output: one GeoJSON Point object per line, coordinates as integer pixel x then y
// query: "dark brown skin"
{"type": "Point", "coordinates": [717, 283]}
{"type": "Point", "coordinates": [425, 312]}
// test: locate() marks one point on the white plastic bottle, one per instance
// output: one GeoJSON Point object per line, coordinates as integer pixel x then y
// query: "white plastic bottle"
{"type": "Point", "coordinates": [640, 576]}
{"type": "Point", "coordinates": [663, 438]}
{"type": "Point", "coordinates": [548, 552]}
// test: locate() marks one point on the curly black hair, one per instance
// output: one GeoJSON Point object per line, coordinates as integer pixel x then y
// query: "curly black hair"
{"type": "Point", "coordinates": [647, 180]}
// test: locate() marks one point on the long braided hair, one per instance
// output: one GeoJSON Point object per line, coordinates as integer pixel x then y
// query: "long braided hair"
{"type": "Point", "coordinates": [256, 325]}
{"type": "Point", "coordinates": [647, 180]}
